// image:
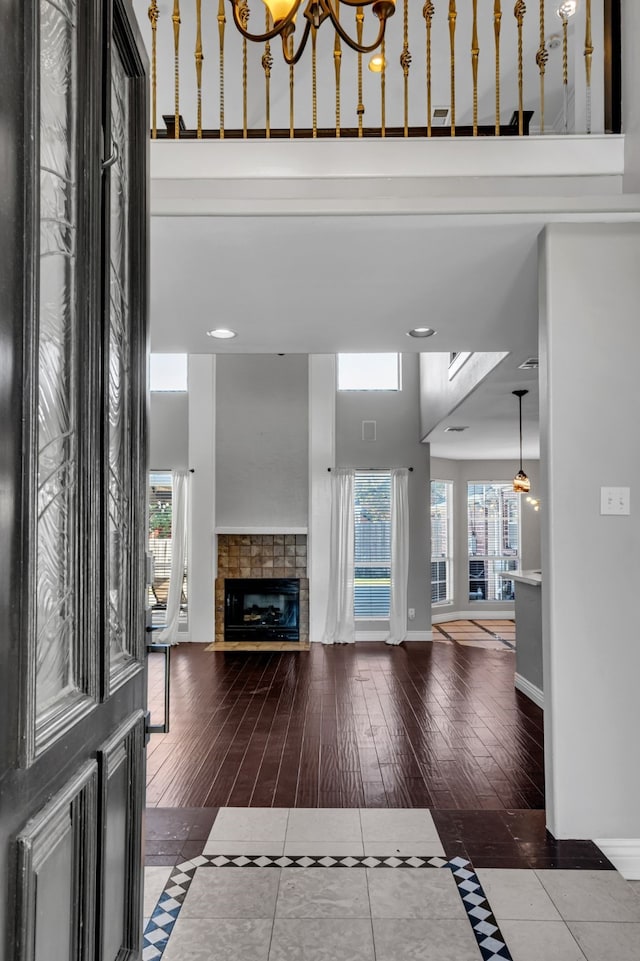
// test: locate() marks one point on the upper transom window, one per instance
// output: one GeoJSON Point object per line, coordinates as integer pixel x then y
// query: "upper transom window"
{"type": "Point", "coordinates": [369, 372]}
{"type": "Point", "coordinates": [168, 372]}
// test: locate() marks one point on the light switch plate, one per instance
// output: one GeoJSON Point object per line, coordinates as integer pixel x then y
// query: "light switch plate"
{"type": "Point", "coordinates": [615, 500]}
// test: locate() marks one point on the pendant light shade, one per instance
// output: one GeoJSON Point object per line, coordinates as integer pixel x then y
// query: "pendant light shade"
{"type": "Point", "coordinates": [521, 483]}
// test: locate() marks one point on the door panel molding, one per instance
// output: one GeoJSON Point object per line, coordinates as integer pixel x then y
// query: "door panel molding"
{"type": "Point", "coordinates": [121, 762]}
{"type": "Point", "coordinates": [66, 821]}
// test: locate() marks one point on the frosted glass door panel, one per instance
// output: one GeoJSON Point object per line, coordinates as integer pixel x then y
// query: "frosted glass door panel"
{"type": "Point", "coordinates": [120, 491]}
{"type": "Point", "coordinates": [57, 507]}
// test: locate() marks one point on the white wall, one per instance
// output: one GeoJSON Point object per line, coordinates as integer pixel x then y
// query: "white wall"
{"type": "Point", "coordinates": [262, 447]}
{"type": "Point", "coordinates": [440, 394]}
{"type": "Point", "coordinates": [322, 440]}
{"type": "Point", "coordinates": [630, 98]}
{"type": "Point", "coordinates": [590, 401]}
{"type": "Point", "coordinates": [202, 381]}
{"type": "Point", "coordinates": [397, 415]}
{"type": "Point", "coordinates": [461, 472]}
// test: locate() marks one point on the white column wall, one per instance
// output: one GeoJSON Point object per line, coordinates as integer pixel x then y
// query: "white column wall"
{"type": "Point", "coordinates": [630, 98]}
{"type": "Point", "coordinates": [322, 441]}
{"type": "Point", "coordinates": [589, 412]}
{"type": "Point", "coordinates": [202, 426]}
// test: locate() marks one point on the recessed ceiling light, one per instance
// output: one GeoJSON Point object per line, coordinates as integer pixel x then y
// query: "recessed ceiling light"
{"type": "Point", "coordinates": [421, 332]}
{"type": "Point", "coordinates": [222, 333]}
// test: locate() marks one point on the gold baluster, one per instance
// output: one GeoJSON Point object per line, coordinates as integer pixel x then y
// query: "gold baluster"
{"type": "Point", "coordinates": [359, 28]}
{"type": "Point", "coordinates": [267, 63]}
{"type": "Point", "coordinates": [199, 58]}
{"type": "Point", "coordinates": [452, 45]}
{"type": "Point", "coordinates": [243, 16]}
{"type": "Point", "coordinates": [588, 58]}
{"type": "Point", "coordinates": [427, 12]}
{"type": "Point", "coordinates": [337, 60]}
{"type": "Point", "coordinates": [153, 19]}
{"type": "Point", "coordinates": [176, 65]}
{"type": "Point", "coordinates": [475, 55]}
{"type": "Point", "coordinates": [221, 25]}
{"type": "Point", "coordinates": [519, 11]}
{"type": "Point", "coordinates": [314, 82]}
{"type": "Point", "coordinates": [405, 63]}
{"type": "Point", "coordinates": [291, 92]}
{"type": "Point", "coordinates": [542, 57]}
{"type": "Point", "coordinates": [383, 91]}
{"type": "Point", "coordinates": [497, 18]}
{"type": "Point", "coordinates": [565, 69]}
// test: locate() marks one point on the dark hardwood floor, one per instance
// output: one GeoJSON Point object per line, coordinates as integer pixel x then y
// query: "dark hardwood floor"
{"type": "Point", "coordinates": [435, 725]}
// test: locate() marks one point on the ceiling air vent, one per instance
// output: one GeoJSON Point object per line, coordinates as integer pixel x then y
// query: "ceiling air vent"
{"type": "Point", "coordinates": [530, 364]}
{"type": "Point", "coordinates": [454, 430]}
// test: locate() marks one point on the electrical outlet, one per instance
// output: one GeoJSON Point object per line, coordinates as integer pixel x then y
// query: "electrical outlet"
{"type": "Point", "coordinates": [412, 613]}
{"type": "Point", "coordinates": [615, 500]}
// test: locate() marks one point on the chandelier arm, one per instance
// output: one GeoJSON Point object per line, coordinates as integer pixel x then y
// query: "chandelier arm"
{"type": "Point", "coordinates": [357, 3]}
{"type": "Point", "coordinates": [292, 61]}
{"type": "Point", "coordinates": [359, 48]}
{"type": "Point", "coordinates": [270, 34]}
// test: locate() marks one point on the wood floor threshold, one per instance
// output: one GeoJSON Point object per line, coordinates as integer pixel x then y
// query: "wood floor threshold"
{"type": "Point", "coordinates": [257, 646]}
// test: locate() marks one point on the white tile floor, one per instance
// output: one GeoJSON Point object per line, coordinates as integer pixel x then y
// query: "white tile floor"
{"type": "Point", "coordinates": [380, 913]}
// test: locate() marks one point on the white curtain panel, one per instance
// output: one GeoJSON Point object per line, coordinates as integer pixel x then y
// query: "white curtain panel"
{"type": "Point", "coordinates": [340, 624]}
{"type": "Point", "coordinates": [179, 515]}
{"type": "Point", "coordinates": [399, 555]}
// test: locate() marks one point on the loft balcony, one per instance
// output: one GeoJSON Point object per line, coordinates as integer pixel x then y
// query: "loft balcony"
{"type": "Point", "coordinates": [467, 89]}
{"type": "Point", "coordinates": [449, 69]}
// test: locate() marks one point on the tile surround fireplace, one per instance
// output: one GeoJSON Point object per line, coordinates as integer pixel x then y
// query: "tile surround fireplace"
{"type": "Point", "coordinates": [262, 556]}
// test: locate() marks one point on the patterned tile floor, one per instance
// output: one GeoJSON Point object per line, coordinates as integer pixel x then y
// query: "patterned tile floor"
{"type": "Point", "coordinates": [279, 884]}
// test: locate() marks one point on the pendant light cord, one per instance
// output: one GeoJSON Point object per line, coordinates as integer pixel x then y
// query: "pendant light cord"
{"type": "Point", "coordinates": [520, 402]}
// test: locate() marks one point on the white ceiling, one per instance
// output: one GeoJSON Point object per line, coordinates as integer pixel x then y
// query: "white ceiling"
{"type": "Point", "coordinates": [326, 284]}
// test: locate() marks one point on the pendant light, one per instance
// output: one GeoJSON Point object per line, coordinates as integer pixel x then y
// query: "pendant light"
{"type": "Point", "coordinates": [521, 483]}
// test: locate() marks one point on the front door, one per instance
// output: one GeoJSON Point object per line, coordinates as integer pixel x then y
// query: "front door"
{"type": "Point", "coordinates": [73, 290]}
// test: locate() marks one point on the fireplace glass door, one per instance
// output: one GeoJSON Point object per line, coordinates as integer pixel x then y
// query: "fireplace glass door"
{"type": "Point", "coordinates": [262, 609]}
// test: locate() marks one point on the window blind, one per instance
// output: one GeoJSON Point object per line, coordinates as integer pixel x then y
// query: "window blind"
{"type": "Point", "coordinates": [441, 541]}
{"type": "Point", "coordinates": [372, 520]}
{"type": "Point", "coordinates": [493, 512]}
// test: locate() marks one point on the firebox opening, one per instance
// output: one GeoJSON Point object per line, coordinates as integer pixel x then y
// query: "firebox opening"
{"type": "Point", "coordinates": [262, 609]}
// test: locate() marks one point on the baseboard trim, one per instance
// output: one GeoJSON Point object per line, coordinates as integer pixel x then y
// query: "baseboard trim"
{"type": "Point", "coordinates": [473, 616]}
{"type": "Point", "coordinates": [383, 635]}
{"type": "Point", "coordinates": [530, 690]}
{"type": "Point", "coordinates": [624, 854]}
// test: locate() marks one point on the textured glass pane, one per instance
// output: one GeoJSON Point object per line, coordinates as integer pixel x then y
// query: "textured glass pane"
{"type": "Point", "coordinates": [57, 427]}
{"type": "Point", "coordinates": [119, 397]}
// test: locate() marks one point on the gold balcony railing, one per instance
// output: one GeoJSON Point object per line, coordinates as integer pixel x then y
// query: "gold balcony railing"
{"type": "Point", "coordinates": [447, 68]}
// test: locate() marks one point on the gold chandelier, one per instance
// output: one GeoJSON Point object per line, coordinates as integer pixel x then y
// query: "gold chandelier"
{"type": "Point", "coordinates": [283, 14]}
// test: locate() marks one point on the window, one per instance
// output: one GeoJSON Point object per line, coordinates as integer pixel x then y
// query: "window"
{"type": "Point", "coordinates": [368, 371]}
{"type": "Point", "coordinates": [441, 542]}
{"type": "Point", "coordinates": [160, 518]}
{"type": "Point", "coordinates": [168, 372]}
{"type": "Point", "coordinates": [493, 510]}
{"type": "Point", "coordinates": [372, 574]}
{"type": "Point", "coordinates": [457, 360]}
